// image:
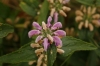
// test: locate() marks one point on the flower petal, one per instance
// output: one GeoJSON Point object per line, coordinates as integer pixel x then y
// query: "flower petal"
{"type": "Point", "coordinates": [38, 39]}
{"type": "Point", "coordinates": [33, 32]}
{"type": "Point", "coordinates": [55, 17]}
{"type": "Point", "coordinates": [57, 41]}
{"type": "Point", "coordinates": [37, 26]}
{"type": "Point", "coordinates": [57, 25]}
{"type": "Point", "coordinates": [65, 1]}
{"type": "Point", "coordinates": [48, 21]}
{"type": "Point", "coordinates": [45, 44]}
{"type": "Point", "coordinates": [44, 25]}
{"type": "Point", "coordinates": [60, 33]}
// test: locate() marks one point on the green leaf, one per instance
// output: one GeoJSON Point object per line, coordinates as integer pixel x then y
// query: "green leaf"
{"type": "Point", "coordinates": [93, 59]}
{"type": "Point", "coordinates": [4, 11]}
{"type": "Point", "coordinates": [71, 45]}
{"type": "Point", "coordinates": [43, 12]}
{"type": "Point", "coordinates": [98, 52]}
{"type": "Point", "coordinates": [51, 55]}
{"type": "Point", "coordinates": [86, 2]}
{"type": "Point", "coordinates": [85, 34]}
{"type": "Point", "coordinates": [5, 29]}
{"type": "Point", "coordinates": [28, 9]}
{"type": "Point", "coordinates": [97, 2]}
{"type": "Point", "coordinates": [24, 54]}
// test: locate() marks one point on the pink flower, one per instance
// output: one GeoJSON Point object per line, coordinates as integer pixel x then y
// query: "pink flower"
{"type": "Point", "coordinates": [49, 33]}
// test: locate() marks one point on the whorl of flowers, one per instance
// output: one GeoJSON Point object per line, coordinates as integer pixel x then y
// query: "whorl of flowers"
{"type": "Point", "coordinates": [58, 6]}
{"type": "Point", "coordinates": [87, 17]}
{"type": "Point", "coordinates": [47, 34]}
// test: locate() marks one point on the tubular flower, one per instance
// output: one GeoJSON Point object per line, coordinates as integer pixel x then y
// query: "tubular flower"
{"type": "Point", "coordinates": [58, 6]}
{"type": "Point", "coordinates": [49, 33]}
{"type": "Point", "coordinates": [87, 17]}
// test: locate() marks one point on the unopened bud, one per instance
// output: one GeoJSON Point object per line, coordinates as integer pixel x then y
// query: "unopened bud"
{"type": "Point", "coordinates": [50, 38]}
{"type": "Point", "coordinates": [34, 45]}
{"type": "Point", "coordinates": [91, 27]}
{"type": "Point", "coordinates": [60, 1]}
{"type": "Point", "coordinates": [96, 16]}
{"type": "Point", "coordinates": [44, 25]}
{"type": "Point", "coordinates": [80, 25]}
{"type": "Point", "coordinates": [84, 9]}
{"type": "Point", "coordinates": [78, 18]}
{"type": "Point", "coordinates": [96, 23]}
{"type": "Point", "coordinates": [44, 64]}
{"type": "Point", "coordinates": [31, 62]}
{"type": "Point", "coordinates": [52, 12]}
{"type": "Point", "coordinates": [79, 13]}
{"type": "Point", "coordinates": [39, 50]}
{"type": "Point", "coordinates": [89, 11]}
{"type": "Point", "coordinates": [67, 31]}
{"type": "Point", "coordinates": [59, 46]}
{"type": "Point", "coordinates": [86, 24]}
{"type": "Point", "coordinates": [51, 1]}
{"type": "Point", "coordinates": [62, 13]}
{"type": "Point", "coordinates": [66, 8]}
{"type": "Point", "coordinates": [71, 31]}
{"type": "Point", "coordinates": [40, 57]}
{"type": "Point", "coordinates": [45, 58]}
{"type": "Point", "coordinates": [93, 10]}
{"type": "Point", "coordinates": [60, 51]}
{"type": "Point", "coordinates": [39, 61]}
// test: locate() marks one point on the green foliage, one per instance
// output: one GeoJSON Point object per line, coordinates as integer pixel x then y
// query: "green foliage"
{"type": "Point", "coordinates": [51, 55]}
{"type": "Point", "coordinates": [71, 45]}
{"type": "Point", "coordinates": [43, 12]}
{"type": "Point", "coordinates": [4, 11]}
{"type": "Point", "coordinates": [16, 17]}
{"type": "Point", "coordinates": [29, 10]}
{"type": "Point", "coordinates": [24, 54]}
{"type": "Point", "coordinates": [97, 2]}
{"type": "Point", "coordinates": [86, 2]}
{"type": "Point", "coordinates": [5, 29]}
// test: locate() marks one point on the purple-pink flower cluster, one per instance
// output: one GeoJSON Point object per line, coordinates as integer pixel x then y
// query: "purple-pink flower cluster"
{"type": "Point", "coordinates": [48, 33]}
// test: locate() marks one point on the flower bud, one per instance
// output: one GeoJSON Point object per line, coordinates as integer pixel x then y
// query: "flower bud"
{"type": "Point", "coordinates": [34, 45]}
{"type": "Point", "coordinates": [60, 1]}
{"type": "Point", "coordinates": [84, 9]}
{"type": "Point", "coordinates": [80, 25]}
{"type": "Point", "coordinates": [51, 1]}
{"type": "Point", "coordinates": [39, 50]}
{"type": "Point", "coordinates": [44, 64]}
{"type": "Point", "coordinates": [96, 23]}
{"type": "Point", "coordinates": [91, 27]}
{"type": "Point", "coordinates": [89, 11]}
{"type": "Point", "coordinates": [60, 51]}
{"type": "Point", "coordinates": [93, 10]}
{"type": "Point", "coordinates": [59, 46]}
{"type": "Point", "coordinates": [52, 12]}
{"type": "Point", "coordinates": [31, 62]}
{"type": "Point", "coordinates": [39, 61]}
{"type": "Point", "coordinates": [45, 59]}
{"type": "Point", "coordinates": [62, 13]}
{"type": "Point", "coordinates": [44, 25]}
{"type": "Point", "coordinates": [78, 13]}
{"type": "Point", "coordinates": [67, 31]}
{"type": "Point", "coordinates": [78, 18]}
{"type": "Point", "coordinates": [86, 24]}
{"type": "Point", "coordinates": [50, 38]}
{"type": "Point", "coordinates": [66, 8]}
{"type": "Point", "coordinates": [96, 16]}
